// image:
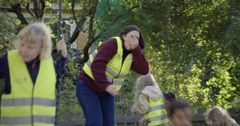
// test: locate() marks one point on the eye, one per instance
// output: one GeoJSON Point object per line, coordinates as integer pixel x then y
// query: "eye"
{"type": "Point", "coordinates": [31, 47]}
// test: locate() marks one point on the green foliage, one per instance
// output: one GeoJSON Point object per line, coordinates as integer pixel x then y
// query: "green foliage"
{"type": "Point", "coordinates": [194, 58]}
{"type": "Point", "coordinates": [7, 30]}
{"type": "Point", "coordinates": [192, 47]}
{"type": "Point", "coordinates": [124, 100]}
{"type": "Point", "coordinates": [68, 98]}
{"type": "Point", "coordinates": [189, 47]}
{"type": "Point", "coordinates": [8, 2]}
{"type": "Point", "coordinates": [108, 8]}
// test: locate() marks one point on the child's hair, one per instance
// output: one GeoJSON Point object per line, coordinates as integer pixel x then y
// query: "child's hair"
{"type": "Point", "coordinates": [221, 114]}
{"type": "Point", "coordinates": [178, 104]}
{"type": "Point", "coordinates": [37, 33]}
{"type": "Point", "coordinates": [169, 96]}
{"type": "Point", "coordinates": [145, 80]}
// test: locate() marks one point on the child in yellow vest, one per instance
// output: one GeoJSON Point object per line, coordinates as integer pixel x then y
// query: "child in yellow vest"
{"type": "Point", "coordinates": [149, 101]}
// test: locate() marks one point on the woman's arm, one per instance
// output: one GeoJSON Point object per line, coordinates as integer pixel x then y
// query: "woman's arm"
{"type": "Point", "coordinates": [105, 53]}
{"type": "Point", "coordinates": [140, 64]}
{"type": "Point", "coordinates": [1, 77]}
{"type": "Point", "coordinates": [3, 59]}
{"type": "Point", "coordinates": [61, 62]}
{"type": "Point", "coordinates": [60, 66]}
{"type": "Point", "coordinates": [4, 74]}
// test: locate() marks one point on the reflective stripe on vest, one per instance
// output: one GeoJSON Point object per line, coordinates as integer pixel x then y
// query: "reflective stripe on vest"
{"type": "Point", "coordinates": [28, 103]}
{"type": "Point", "coordinates": [116, 70]}
{"type": "Point", "coordinates": [27, 120]}
{"type": "Point", "coordinates": [157, 114]}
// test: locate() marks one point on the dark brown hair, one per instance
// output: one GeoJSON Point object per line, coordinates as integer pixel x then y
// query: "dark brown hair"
{"type": "Point", "coordinates": [133, 28]}
{"type": "Point", "coordinates": [178, 104]}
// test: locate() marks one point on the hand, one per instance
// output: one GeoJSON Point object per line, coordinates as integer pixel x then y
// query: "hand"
{"type": "Point", "coordinates": [111, 90]}
{"type": "Point", "coordinates": [134, 42]}
{"type": "Point", "coordinates": [61, 46]}
{"type": "Point", "coordinates": [141, 121]}
{"type": "Point", "coordinates": [133, 109]}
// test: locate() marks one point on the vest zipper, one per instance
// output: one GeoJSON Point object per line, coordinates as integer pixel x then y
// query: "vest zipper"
{"type": "Point", "coordinates": [121, 64]}
{"type": "Point", "coordinates": [118, 72]}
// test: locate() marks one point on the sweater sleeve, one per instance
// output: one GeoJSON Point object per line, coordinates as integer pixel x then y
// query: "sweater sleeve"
{"type": "Point", "coordinates": [4, 74]}
{"type": "Point", "coordinates": [105, 53]}
{"type": "Point", "coordinates": [60, 66]}
{"type": "Point", "coordinates": [140, 64]}
{"type": "Point", "coordinates": [143, 105]}
{"type": "Point", "coordinates": [2, 62]}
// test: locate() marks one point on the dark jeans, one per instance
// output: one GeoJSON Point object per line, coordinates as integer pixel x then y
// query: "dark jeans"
{"type": "Point", "coordinates": [98, 108]}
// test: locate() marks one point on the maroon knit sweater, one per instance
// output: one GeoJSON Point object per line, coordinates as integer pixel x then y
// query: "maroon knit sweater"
{"type": "Point", "coordinates": [105, 53]}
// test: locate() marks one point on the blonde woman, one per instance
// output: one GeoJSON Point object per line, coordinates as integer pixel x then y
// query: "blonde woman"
{"type": "Point", "coordinates": [218, 116]}
{"type": "Point", "coordinates": [149, 101]}
{"type": "Point", "coordinates": [30, 78]}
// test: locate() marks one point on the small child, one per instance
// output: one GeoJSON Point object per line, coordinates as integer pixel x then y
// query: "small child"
{"type": "Point", "coordinates": [149, 101]}
{"type": "Point", "coordinates": [169, 99]}
{"type": "Point", "coordinates": [180, 113]}
{"type": "Point", "coordinates": [218, 116]}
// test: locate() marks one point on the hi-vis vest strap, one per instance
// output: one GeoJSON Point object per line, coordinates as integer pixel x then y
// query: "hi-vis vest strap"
{"type": "Point", "coordinates": [29, 104]}
{"type": "Point", "coordinates": [157, 115]}
{"type": "Point", "coordinates": [116, 70]}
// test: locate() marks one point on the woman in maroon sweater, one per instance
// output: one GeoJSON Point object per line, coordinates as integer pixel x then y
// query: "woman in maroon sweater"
{"type": "Point", "coordinates": [95, 88]}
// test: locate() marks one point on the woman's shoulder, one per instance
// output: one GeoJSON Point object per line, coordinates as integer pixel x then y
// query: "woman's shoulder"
{"type": "Point", "coordinates": [111, 40]}
{"type": "Point", "coordinates": [109, 44]}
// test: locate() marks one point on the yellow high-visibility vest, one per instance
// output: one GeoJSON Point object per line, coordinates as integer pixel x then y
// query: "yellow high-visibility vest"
{"type": "Point", "coordinates": [29, 104]}
{"type": "Point", "coordinates": [157, 115]}
{"type": "Point", "coordinates": [116, 71]}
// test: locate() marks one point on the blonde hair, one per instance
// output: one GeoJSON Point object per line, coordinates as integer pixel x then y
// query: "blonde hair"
{"type": "Point", "coordinates": [145, 80]}
{"type": "Point", "coordinates": [37, 33]}
{"type": "Point", "coordinates": [142, 82]}
{"type": "Point", "coordinates": [221, 114]}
